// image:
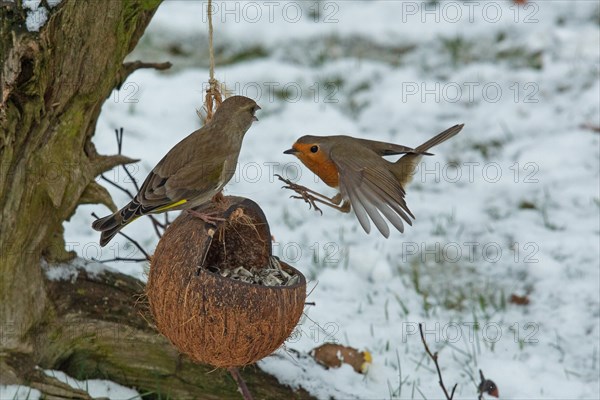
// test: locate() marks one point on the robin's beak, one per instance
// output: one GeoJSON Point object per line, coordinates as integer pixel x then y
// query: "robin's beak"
{"type": "Point", "coordinates": [291, 151]}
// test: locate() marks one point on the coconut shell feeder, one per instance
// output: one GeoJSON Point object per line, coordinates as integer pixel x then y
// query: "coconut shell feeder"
{"type": "Point", "coordinates": [199, 291]}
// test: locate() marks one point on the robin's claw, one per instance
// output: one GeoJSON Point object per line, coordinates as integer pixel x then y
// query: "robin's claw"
{"type": "Point", "coordinates": [301, 193]}
{"type": "Point", "coordinates": [281, 178]}
{"type": "Point", "coordinates": [310, 200]}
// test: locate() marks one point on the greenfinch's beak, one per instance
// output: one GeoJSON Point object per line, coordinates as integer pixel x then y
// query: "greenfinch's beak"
{"type": "Point", "coordinates": [291, 151]}
{"type": "Point", "coordinates": [256, 108]}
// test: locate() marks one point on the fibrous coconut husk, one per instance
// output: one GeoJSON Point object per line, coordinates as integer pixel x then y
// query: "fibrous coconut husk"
{"type": "Point", "coordinates": [215, 319]}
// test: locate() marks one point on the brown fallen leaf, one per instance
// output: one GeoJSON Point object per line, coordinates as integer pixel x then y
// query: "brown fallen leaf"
{"type": "Point", "coordinates": [332, 355]}
{"type": "Point", "coordinates": [519, 300]}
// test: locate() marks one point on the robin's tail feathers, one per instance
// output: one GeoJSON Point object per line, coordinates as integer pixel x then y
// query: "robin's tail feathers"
{"type": "Point", "coordinates": [404, 168]}
{"type": "Point", "coordinates": [440, 138]}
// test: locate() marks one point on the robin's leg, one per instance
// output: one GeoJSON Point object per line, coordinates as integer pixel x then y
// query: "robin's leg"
{"type": "Point", "coordinates": [311, 197]}
{"type": "Point", "coordinates": [333, 202]}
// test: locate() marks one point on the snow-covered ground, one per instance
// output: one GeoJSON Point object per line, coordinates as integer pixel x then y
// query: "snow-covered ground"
{"type": "Point", "coordinates": [97, 388]}
{"type": "Point", "coordinates": [509, 206]}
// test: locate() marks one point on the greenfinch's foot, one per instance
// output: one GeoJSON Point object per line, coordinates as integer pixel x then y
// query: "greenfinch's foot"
{"type": "Point", "coordinates": [219, 198]}
{"type": "Point", "coordinates": [208, 218]}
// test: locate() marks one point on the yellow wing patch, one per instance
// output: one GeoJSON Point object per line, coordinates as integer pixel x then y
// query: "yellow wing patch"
{"type": "Point", "coordinates": [167, 207]}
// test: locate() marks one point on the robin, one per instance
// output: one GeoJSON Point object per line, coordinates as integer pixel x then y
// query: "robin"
{"type": "Point", "coordinates": [192, 172]}
{"type": "Point", "coordinates": [367, 182]}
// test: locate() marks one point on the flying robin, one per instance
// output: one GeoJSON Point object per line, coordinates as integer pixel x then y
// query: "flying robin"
{"type": "Point", "coordinates": [192, 172]}
{"type": "Point", "coordinates": [367, 182]}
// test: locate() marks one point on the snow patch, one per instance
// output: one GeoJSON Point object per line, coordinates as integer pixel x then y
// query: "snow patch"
{"type": "Point", "coordinates": [97, 388]}
{"type": "Point", "coordinates": [17, 392]}
{"type": "Point", "coordinates": [36, 19]}
{"type": "Point", "coordinates": [70, 271]}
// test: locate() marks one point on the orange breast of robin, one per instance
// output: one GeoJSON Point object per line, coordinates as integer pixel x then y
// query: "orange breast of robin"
{"type": "Point", "coordinates": [319, 163]}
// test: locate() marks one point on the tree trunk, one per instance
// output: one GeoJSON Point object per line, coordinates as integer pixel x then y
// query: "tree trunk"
{"type": "Point", "coordinates": [52, 87]}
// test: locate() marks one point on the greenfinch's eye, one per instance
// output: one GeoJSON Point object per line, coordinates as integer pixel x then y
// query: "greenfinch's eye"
{"type": "Point", "coordinates": [314, 149]}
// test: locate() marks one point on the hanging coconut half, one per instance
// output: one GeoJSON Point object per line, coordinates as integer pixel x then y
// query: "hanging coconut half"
{"type": "Point", "coordinates": [217, 293]}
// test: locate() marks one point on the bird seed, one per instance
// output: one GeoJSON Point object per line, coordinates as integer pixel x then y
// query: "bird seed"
{"type": "Point", "coordinates": [272, 275]}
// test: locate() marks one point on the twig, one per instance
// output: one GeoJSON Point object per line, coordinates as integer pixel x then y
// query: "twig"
{"type": "Point", "coordinates": [119, 135]}
{"type": "Point", "coordinates": [121, 259]}
{"type": "Point", "coordinates": [136, 244]}
{"type": "Point", "coordinates": [434, 357]}
{"type": "Point", "coordinates": [105, 179]}
{"type": "Point", "coordinates": [237, 377]}
{"type": "Point", "coordinates": [480, 388]}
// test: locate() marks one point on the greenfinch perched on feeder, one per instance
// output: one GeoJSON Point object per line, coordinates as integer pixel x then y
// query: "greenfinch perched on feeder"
{"type": "Point", "coordinates": [192, 172]}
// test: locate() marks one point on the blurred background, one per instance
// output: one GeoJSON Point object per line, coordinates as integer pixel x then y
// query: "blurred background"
{"type": "Point", "coordinates": [502, 262]}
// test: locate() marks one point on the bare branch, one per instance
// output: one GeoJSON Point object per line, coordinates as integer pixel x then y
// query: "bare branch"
{"type": "Point", "coordinates": [101, 164]}
{"type": "Point", "coordinates": [97, 194]}
{"type": "Point", "coordinates": [121, 259]}
{"type": "Point", "coordinates": [434, 357]}
{"type": "Point", "coordinates": [126, 191]}
{"type": "Point", "coordinates": [130, 67]}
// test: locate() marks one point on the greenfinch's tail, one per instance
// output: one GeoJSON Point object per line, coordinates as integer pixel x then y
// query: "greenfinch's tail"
{"type": "Point", "coordinates": [112, 224]}
{"type": "Point", "coordinates": [405, 167]}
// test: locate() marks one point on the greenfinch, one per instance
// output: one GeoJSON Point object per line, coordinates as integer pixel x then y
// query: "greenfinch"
{"type": "Point", "coordinates": [193, 171]}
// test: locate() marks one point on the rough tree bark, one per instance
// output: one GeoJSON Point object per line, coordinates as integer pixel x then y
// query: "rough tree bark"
{"type": "Point", "coordinates": [52, 87]}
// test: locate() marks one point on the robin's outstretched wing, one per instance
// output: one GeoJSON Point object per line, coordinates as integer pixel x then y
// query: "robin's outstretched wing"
{"type": "Point", "coordinates": [372, 189]}
{"type": "Point", "coordinates": [386, 149]}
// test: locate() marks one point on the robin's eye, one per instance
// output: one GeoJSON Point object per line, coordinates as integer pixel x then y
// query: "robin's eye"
{"type": "Point", "coordinates": [314, 149]}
